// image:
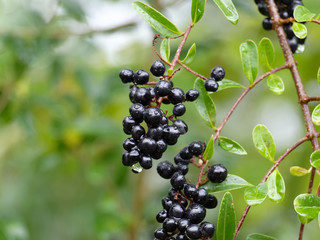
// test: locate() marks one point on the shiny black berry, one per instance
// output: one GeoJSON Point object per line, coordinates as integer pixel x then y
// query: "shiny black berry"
{"type": "Point", "coordinates": [181, 125]}
{"type": "Point", "coordinates": [162, 215]}
{"type": "Point", "coordinates": [160, 234]}
{"type": "Point", "coordinates": [177, 180]}
{"type": "Point", "coordinates": [161, 146]}
{"type": "Point", "coordinates": [202, 196]}
{"type": "Point", "coordinates": [176, 210]}
{"type": "Point", "coordinates": [293, 43]}
{"type": "Point", "coordinates": [125, 159]}
{"type": "Point", "coordinates": [218, 73]}
{"type": "Point", "coordinates": [137, 132]}
{"type": "Point", "coordinates": [165, 169]}
{"type": "Point", "coordinates": [155, 132]}
{"type": "Point", "coordinates": [166, 203]}
{"type": "Point", "coordinates": [176, 95]}
{"type": "Point", "coordinates": [169, 224]}
{"type": "Point", "coordinates": [143, 96]}
{"type": "Point", "coordinates": [136, 111]}
{"type": "Point", "coordinates": [128, 123]}
{"type": "Point", "coordinates": [196, 213]}
{"type": "Point", "coordinates": [212, 202]}
{"type": "Point", "coordinates": [126, 75]}
{"type": "Point", "coordinates": [146, 162]}
{"type": "Point", "coordinates": [141, 77]}
{"type": "Point", "coordinates": [157, 68]}
{"type": "Point", "coordinates": [217, 173]}
{"type": "Point", "coordinates": [178, 159]}
{"type": "Point", "coordinates": [185, 153]}
{"type": "Point", "coordinates": [193, 231]}
{"type": "Point", "coordinates": [211, 85]}
{"type": "Point", "coordinates": [196, 148]}
{"type": "Point", "coordinates": [183, 224]}
{"type": "Point", "coordinates": [207, 229]}
{"type": "Point", "coordinates": [183, 168]}
{"type": "Point", "coordinates": [179, 109]}
{"type": "Point", "coordinates": [192, 95]}
{"type": "Point", "coordinates": [162, 88]}
{"type": "Point", "coordinates": [128, 144]}
{"type": "Point", "coordinates": [153, 116]}
{"type": "Point", "coordinates": [267, 24]}
{"type": "Point", "coordinates": [190, 190]}
{"type": "Point", "coordinates": [147, 145]}
{"type": "Point", "coordinates": [171, 134]}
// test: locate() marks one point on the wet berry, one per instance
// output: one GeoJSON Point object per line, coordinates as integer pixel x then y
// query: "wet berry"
{"type": "Point", "coordinates": [157, 68]}
{"type": "Point", "coordinates": [217, 173]}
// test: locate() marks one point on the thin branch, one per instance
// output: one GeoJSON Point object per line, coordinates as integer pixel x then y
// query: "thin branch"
{"type": "Point", "coordinates": [315, 21]}
{"type": "Point", "coordinates": [155, 50]}
{"type": "Point", "coordinates": [309, 99]}
{"type": "Point", "coordinates": [223, 123]}
{"type": "Point", "coordinates": [274, 167]}
{"type": "Point", "coordinates": [190, 70]}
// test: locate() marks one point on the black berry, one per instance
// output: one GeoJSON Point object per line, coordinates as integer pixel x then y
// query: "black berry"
{"type": "Point", "coordinates": [141, 77]}
{"type": "Point", "coordinates": [126, 75]}
{"type": "Point", "coordinates": [211, 85]}
{"type": "Point", "coordinates": [218, 73]}
{"type": "Point", "coordinates": [192, 95]}
{"type": "Point", "coordinates": [179, 109]}
{"type": "Point", "coordinates": [157, 68]}
{"type": "Point", "coordinates": [217, 173]}
{"type": "Point", "coordinates": [165, 169]}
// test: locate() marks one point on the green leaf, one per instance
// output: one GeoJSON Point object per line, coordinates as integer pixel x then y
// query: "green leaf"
{"type": "Point", "coordinates": [275, 84]}
{"type": "Point", "coordinates": [276, 187]}
{"type": "Point", "coordinates": [266, 52]}
{"type": "Point", "coordinates": [74, 9]}
{"type": "Point", "coordinates": [190, 55]}
{"type": "Point", "coordinates": [256, 195]}
{"type": "Point", "coordinates": [298, 171]}
{"type": "Point", "coordinates": [307, 205]}
{"type": "Point", "coordinates": [208, 153]}
{"type": "Point", "coordinates": [318, 76]}
{"type": "Point", "coordinates": [232, 182]}
{"type": "Point", "coordinates": [300, 30]}
{"type": "Point", "coordinates": [304, 220]}
{"type": "Point", "coordinates": [165, 49]}
{"type": "Point", "coordinates": [228, 9]}
{"type": "Point", "coordinates": [231, 146]}
{"type": "Point", "coordinates": [225, 84]}
{"type": "Point", "coordinates": [204, 104]}
{"type": "Point", "coordinates": [302, 14]}
{"type": "Point", "coordinates": [197, 10]}
{"type": "Point", "coordinates": [257, 236]}
{"type": "Point", "coordinates": [264, 142]}
{"type": "Point", "coordinates": [250, 59]}
{"type": "Point", "coordinates": [156, 20]}
{"type": "Point", "coordinates": [316, 115]}
{"type": "Point", "coordinates": [227, 219]}
{"type": "Point", "coordinates": [315, 159]}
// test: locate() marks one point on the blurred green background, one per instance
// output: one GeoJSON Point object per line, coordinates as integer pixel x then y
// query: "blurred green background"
{"type": "Point", "coordinates": [62, 105]}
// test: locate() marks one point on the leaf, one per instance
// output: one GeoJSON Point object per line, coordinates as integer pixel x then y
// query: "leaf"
{"type": "Point", "coordinates": [257, 236]}
{"type": "Point", "coordinates": [74, 9]}
{"type": "Point", "coordinates": [208, 153]}
{"type": "Point", "coordinates": [298, 171]}
{"type": "Point", "coordinates": [316, 115]}
{"type": "Point", "coordinates": [266, 52]}
{"type": "Point", "coordinates": [304, 220]}
{"type": "Point", "coordinates": [300, 30]}
{"type": "Point", "coordinates": [190, 55]}
{"type": "Point", "coordinates": [250, 59]}
{"type": "Point", "coordinates": [315, 159]}
{"type": "Point", "coordinates": [165, 49]}
{"type": "Point", "coordinates": [275, 84]}
{"type": "Point", "coordinates": [264, 142]}
{"type": "Point", "coordinates": [197, 10]}
{"type": "Point", "coordinates": [232, 182]}
{"type": "Point", "coordinates": [307, 205]}
{"type": "Point", "coordinates": [227, 219]}
{"type": "Point", "coordinates": [302, 14]}
{"type": "Point", "coordinates": [204, 104]}
{"type": "Point", "coordinates": [228, 9]}
{"type": "Point", "coordinates": [156, 20]}
{"type": "Point", "coordinates": [225, 84]}
{"type": "Point", "coordinates": [318, 76]}
{"type": "Point", "coordinates": [276, 187]}
{"type": "Point", "coordinates": [256, 195]}
{"type": "Point", "coordinates": [231, 146]}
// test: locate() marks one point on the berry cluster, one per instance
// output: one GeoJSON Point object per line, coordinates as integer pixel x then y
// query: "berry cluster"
{"type": "Point", "coordinates": [216, 74]}
{"type": "Point", "coordinates": [151, 140]}
{"type": "Point", "coordinates": [184, 209]}
{"type": "Point", "coordinates": [286, 9]}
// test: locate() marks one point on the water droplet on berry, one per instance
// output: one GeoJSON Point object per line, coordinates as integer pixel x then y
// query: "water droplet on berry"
{"type": "Point", "coordinates": [136, 168]}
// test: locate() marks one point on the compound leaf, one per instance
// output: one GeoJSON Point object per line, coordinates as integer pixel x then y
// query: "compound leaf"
{"type": "Point", "coordinates": [264, 142]}
{"type": "Point", "coordinates": [156, 20]}
{"type": "Point", "coordinates": [227, 219]}
{"type": "Point", "coordinates": [250, 59]}
{"type": "Point", "coordinates": [204, 104]}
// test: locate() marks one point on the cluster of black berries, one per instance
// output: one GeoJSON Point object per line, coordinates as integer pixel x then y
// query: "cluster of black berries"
{"type": "Point", "coordinates": [184, 209]}
{"type": "Point", "coordinates": [217, 74]}
{"type": "Point", "coordinates": [286, 9]}
{"type": "Point", "coordinates": [151, 140]}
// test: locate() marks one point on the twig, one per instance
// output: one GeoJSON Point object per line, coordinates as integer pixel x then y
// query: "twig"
{"type": "Point", "coordinates": [315, 21]}
{"type": "Point", "coordinates": [190, 70]}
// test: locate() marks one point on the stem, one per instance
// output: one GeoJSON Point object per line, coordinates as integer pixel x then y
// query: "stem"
{"type": "Point", "coordinates": [315, 21]}
{"type": "Point", "coordinates": [190, 70]}
{"type": "Point", "coordinates": [274, 167]}
{"type": "Point", "coordinates": [313, 99]}
{"type": "Point", "coordinates": [223, 123]}
{"type": "Point", "coordinates": [301, 231]}
{"type": "Point", "coordinates": [178, 52]}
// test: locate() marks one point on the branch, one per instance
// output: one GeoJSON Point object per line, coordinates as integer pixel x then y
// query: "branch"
{"type": "Point", "coordinates": [274, 167]}
{"type": "Point", "coordinates": [223, 123]}
{"type": "Point", "coordinates": [315, 21]}
{"type": "Point", "coordinates": [190, 70]}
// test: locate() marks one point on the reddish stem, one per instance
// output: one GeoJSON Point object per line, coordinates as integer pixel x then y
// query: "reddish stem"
{"type": "Point", "coordinates": [190, 70]}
